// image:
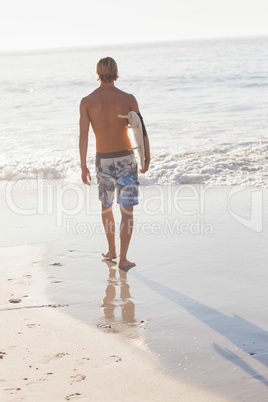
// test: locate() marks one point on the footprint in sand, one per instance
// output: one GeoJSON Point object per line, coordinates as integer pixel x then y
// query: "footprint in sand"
{"type": "Point", "coordinates": [77, 378]}
{"type": "Point", "coordinates": [48, 359]}
{"type": "Point", "coordinates": [104, 326]}
{"type": "Point", "coordinates": [14, 300]}
{"type": "Point", "coordinates": [2, 354]}
{"type": "Point", "coordinates": [11, 390]}
{"type": "Point", "coordinates": [84, 361]}
{"type": "Point", "coordinates": [33, 325]}
{"type": "Point", "coordinates": [56, 264]}
{"type": "Point", "coordinates": [73, 396]}
{"type": "Point", "coordinates": [60, 355]}
{"type": "Point", "coordinates": [117, 358]}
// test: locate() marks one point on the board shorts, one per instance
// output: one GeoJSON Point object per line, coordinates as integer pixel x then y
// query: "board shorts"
{"type": "Point", "coordinates": [117, 171]}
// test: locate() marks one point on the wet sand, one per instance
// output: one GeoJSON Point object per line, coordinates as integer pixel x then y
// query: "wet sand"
{"type": "Point", "coordinates": [46, 354]}
{"type": "Point", "coordinates": [192, 313]}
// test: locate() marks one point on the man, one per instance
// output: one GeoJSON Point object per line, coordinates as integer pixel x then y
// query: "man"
{"type": "Point", "coordinates": [116, 166]}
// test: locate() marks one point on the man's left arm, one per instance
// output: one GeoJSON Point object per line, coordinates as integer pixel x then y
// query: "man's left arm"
{"type": "Point", "coordinates": [135, 108]}
{"type": "Point", "coordinates": [147, 154]}
{"type": "Point", "coordinates": [84, 124]}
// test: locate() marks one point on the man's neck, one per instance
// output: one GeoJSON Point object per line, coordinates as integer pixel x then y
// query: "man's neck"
{"type": "Point", "coordinates": [107, 85]}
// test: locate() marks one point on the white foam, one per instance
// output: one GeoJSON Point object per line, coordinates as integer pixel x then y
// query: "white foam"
{"type": "Point", "coordinates": [226, 164]}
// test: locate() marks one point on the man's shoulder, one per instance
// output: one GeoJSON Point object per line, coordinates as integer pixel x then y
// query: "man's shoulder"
{"type": "Point", "coordinates": [123, 93]}
{"type": "Point", "coordinates": [88, 97]}
{"type": "Point", "coordinates": [88, 100]}
{"type": "Point", "coordinates": [129, 99]}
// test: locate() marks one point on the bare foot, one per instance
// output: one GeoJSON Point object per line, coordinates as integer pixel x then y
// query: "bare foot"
{"type": "Point", "coordinates": [109, 255]}
{"type": "Point", "coordinates": [125, 264]}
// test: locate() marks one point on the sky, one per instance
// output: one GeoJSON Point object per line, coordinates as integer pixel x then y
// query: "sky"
{"type": "Point", "coordinates": [35, 24]}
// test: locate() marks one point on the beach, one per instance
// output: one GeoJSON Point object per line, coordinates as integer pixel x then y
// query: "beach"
{"type": "Point", "coordinates": [188, 323]}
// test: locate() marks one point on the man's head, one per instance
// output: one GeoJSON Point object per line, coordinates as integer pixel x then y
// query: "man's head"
{"type": "Point", "coordinates": [106, 70]}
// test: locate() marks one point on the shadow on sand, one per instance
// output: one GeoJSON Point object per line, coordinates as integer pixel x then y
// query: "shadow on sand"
{"type": "Point", "coordinates": [236, 329]}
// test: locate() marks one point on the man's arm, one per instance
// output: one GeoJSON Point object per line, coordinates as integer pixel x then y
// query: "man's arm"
{"type": "Point", "coordinates": [135, 107]}
{"type": "Point", "coordinates": [147, 154]}
{"type": "Point", "coordinates": [84, 124]}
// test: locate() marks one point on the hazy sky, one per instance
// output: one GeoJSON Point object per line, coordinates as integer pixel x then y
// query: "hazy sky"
{"type": "Point", "coordinates": [26, 24]}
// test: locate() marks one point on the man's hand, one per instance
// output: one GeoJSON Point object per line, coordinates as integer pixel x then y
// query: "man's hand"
{"type": "Point", "coordinates": [86, 178]}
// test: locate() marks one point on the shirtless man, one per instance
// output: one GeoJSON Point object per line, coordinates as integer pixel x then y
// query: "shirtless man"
{"type": "Point", "coordinates": [116, 166]}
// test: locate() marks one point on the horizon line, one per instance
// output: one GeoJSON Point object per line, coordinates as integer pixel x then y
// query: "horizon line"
{"type": "Point", "coordinates": [78, 47]}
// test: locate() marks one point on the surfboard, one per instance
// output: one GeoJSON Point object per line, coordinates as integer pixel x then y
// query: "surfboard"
{"type": "Point", "coordinates": [136, 135]}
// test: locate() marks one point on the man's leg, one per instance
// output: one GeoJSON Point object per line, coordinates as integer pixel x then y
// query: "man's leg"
{"type": "Point", "coordinates": [126, 228]}
{"type": "Point", "coordinates": [109, 227]}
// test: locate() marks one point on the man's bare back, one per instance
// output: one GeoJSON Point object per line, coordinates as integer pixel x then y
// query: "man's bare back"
{"type": "Point", "coordinates": [102, 108]}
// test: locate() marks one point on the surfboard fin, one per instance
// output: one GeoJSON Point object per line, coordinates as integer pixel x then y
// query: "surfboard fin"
{"type": "Point", "coordinates": [123, 116]}
{"type": "Point", "coordinates": [129, 126]}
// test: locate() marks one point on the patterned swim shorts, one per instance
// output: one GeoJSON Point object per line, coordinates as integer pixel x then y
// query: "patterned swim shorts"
{"type": "Point", "coordinates": [120, 173]}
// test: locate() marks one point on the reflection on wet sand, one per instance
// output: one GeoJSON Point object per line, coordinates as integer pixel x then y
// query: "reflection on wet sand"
{"type": "Point", "coordinates": [111, 304]}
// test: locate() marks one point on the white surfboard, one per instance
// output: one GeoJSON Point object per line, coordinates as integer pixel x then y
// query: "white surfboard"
{"type": "Point", "coordinates": [137, 135]}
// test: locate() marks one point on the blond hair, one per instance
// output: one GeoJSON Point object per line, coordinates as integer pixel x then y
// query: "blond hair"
{"type": "Point", "coordinates": [106, 70]}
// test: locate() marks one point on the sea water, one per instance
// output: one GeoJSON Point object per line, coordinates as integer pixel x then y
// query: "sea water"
{"type": "Point", "coordinates": [204, 102]}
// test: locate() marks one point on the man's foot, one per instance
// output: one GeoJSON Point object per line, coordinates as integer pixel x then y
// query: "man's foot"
{"type": "Point", "coordinates": [123, 264]}
{"type": "Point", "coordinates": [109, 255]}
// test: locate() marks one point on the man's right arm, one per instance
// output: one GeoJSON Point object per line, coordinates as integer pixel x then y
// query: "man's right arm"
{"type": "Point", "coordinates": [84, 124]}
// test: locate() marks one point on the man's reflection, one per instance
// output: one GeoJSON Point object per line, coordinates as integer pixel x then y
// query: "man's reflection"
{"type": "Point", "coordinates": [117, 282]}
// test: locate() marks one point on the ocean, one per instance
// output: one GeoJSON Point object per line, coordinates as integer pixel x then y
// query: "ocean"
{"type": "Point", "coordinates": [204, 103]}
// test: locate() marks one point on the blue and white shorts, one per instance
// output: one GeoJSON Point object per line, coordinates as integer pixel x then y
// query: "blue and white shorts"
{"type": "Point", "coordinates": [117, 170]}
